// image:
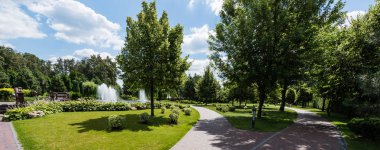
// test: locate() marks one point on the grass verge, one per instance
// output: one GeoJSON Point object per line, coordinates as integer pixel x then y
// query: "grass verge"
{"type": "Point", "coordinates": [88, 130]}
{"type": "Point", "coordinates": [272, 121]}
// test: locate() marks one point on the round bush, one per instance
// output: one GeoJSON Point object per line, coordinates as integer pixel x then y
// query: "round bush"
{"type": "Point", "coordinates": [187, 111]}
{"type": "Point", "coordinates": [173, 118]}
{"type": "Point", "coordinates": [163, 110]}
{"type": "Point", "coordinates": [224, 109]}
{"type": "Point", "coordinates": [115, 122]}
{"type": "Point", "coordinates": [144, 118]}
{"type": "Point", "coordinates": [176, 111]}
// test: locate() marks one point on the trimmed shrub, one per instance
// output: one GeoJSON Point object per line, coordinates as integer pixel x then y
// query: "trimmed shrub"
{"type": "Point", "coordinates": [231, 108]}
{"type": "Point", "coordinates": [115, 122]}
{"type": "Point", "coordinates": [163, 110]}
{"type": "Point", "coordinates": [187, 111]}
{"type": "Point", "coordinates": [6, 94]}
{"type": "Point", "coordinates": [89, 89]}
{"type": "Point", "coordinates": [144, 118]}
{"type": "Point", "coordinates": [181, 106]}
{"type": "Point", "coordinates": [224, 109]}
{"type": "Point", "coordinates": [27, 93]}
{"type": "Point", "coordinates": [74, 95]}
{"type": "Point", "coordinates": [176, 111]}
{"type": "Point", "coordinates": [366, 127]}
{"type": "Point", "coordinates": [173, 118]}
{"type": "Point", "coordinates": [218, 108]}
{"type": "Point", "coordinates": [68, 106]}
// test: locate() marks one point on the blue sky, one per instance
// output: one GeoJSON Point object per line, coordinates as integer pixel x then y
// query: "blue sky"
{"type": "Point", "coordinates": [77, 29]}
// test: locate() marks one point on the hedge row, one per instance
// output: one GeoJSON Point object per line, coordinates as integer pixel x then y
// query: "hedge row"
{"type": "Point", "coordinates": [21, 113]}
{"type": "Point", "coordinates": [366, 127]}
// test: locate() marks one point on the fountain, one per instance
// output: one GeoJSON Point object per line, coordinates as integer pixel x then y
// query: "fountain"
{"type": "Point", "coordinates": [106, 93]}
{"type": "Point", "coordinates": [142, 96]}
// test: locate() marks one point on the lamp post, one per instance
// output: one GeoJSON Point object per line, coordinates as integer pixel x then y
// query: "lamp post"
{"type": "Point", "coordinates": [253, 116]}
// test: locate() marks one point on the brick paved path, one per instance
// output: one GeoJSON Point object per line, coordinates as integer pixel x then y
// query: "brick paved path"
{"type": "Point", "coordinates": [8, 140]}
{"type": "Point", "coordinates": [213, 131]}
{"type": "Point", "coordinates": [309, 132]}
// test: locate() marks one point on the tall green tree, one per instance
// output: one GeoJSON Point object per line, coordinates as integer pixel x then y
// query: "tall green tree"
{"type": "Point", "coordinates": [303, 19]}
{"type": "Point", "coordinates": [151, 54]}
{"type": "Point", "coordinates": [189, 90]}
{"type": "Point", "coordinates": [208, 87]}
{"type": "Point", "coordinates": [252, 37]}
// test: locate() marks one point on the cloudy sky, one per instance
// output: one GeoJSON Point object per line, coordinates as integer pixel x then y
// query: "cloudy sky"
{"type": "Point", "coordinates": [77, 29]}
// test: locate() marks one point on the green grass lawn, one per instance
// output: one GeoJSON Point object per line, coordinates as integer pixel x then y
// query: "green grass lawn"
{"type": "Point", "coordinates": [354, 142]}
{"type": "Point", "coordinates": [88, 130]}
{"type": "Point", "coordinates": [273, 120]}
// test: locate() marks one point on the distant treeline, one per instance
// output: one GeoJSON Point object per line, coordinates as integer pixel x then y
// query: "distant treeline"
{"type": "Point", "coordinates": [66, 75]}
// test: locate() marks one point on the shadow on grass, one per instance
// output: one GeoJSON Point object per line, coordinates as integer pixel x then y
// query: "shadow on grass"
{"type": "Point", "coordinates": [131, 123]}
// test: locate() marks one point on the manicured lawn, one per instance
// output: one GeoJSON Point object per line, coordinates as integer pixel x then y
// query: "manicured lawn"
{"type": "Point", "coordinates": [88, 130]}
{"type": "Point", "coordinates": [273, 120]}
{"type": "Point", "coordinates": [354, 142]}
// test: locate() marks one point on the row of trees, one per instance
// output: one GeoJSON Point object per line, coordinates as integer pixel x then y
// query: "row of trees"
{"type": "Point", "coordinates": [277, 44]}
{"type": "Point", "coordinates": [30, 72]}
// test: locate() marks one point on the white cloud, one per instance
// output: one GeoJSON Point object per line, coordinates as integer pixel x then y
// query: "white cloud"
{"type": "Point", "coordinates": [76, 23]}
{"type": "Point", "coordinates": [196, 41]}
{"type": "Point", "coordinates": [214, 5]}
{"type": "Point", "coordinates": [191, 4]}
{"type": "Point", "coordinates": [352, 16]}
{"type": "Point", "coordinates": [197, 66]}
{"type": "Point", "coordinates": [14, 23]}
{"type": "Point", "coordinates": [6, 44]}
{"type": "Point", "coordinates": [86, 53]}
{"type": "Point", "coordinates": [83, 53]}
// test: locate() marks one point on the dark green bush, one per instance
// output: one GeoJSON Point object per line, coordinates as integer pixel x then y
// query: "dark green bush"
{"type": "Point", "coordinates": [366, 127]}
{"type": "Point", "coordinates": [181, 106]}
{"type": "Point", "coordinates": [231, 108]}
{"type": "Point", "coordinates": [6, 94]}
{"type": "Point", "coordinates": [89, 89]}
{"type": "Point", "coordinates": [115, 122]}
{"type": "Point", "coordinates": [75, 95]}
{"type": "Point", "coordinates": [144, 118]}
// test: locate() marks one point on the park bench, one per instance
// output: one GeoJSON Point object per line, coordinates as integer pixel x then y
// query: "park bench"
{"type": "Point", "coordinates": [60, 96]}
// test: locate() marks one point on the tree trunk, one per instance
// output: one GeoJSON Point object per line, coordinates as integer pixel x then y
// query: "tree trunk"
{"type": "Point", "coordinates": [240, 99]}
{"type": "Point", "coordinates": [151, 98]}
{"type": "Point", "coordinates": [283, 97]}
{"type": "Point", "coordinates": [261, 103]}
{"type": "Point", "coordinates": [323, 104]}
{"type": "Point", "coordinates": [329, 109]}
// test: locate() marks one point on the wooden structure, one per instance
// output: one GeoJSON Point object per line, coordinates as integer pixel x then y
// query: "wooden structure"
{"type": "Point", "coordinates": [60, 96]}
{"type": "Point", "coordinates": [19, 96]}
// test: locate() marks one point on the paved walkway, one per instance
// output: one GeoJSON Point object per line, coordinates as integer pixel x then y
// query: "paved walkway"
{"type": "Point", "coordinates": [8, 140]}
{"type": "Point", "coordinates": [213, 131]}
{"type": "Point", "coordinates": [310, 131]}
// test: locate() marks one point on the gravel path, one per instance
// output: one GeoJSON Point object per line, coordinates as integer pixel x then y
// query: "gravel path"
{"type": "Point", "coordinates": [310, 131]}
{"type": "Point", "coordinates": [213, 131]}
{"type": "Point", "coordinates": [8, 140]}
